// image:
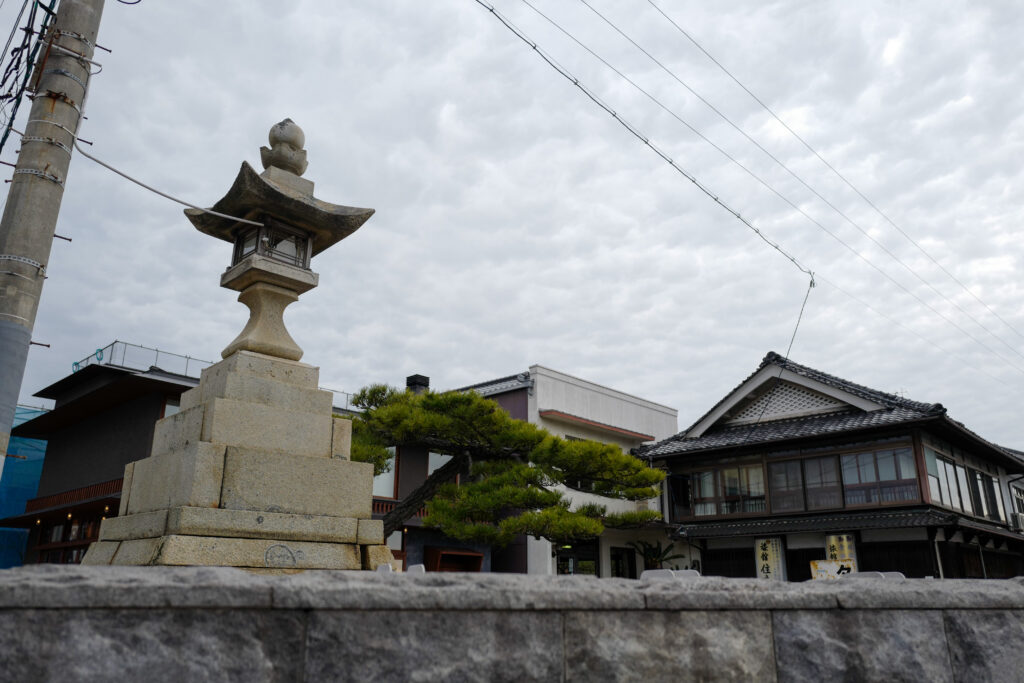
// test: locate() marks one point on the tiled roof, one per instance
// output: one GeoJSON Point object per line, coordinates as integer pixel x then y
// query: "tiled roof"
{"type": "Point", "coordinates": [781, 430]}
{"type": "Point", "coordinates": [500, 385]}
{"type": "Point", "coordinates": [845, 521]}
{"type": "Point", "coordinates": [897, 410]}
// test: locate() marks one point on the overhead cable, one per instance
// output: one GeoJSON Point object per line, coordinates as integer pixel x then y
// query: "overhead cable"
{"type": "Point", "coordinates": [786, 168]}
{"type": "Point", "coordinates": [839, 175]}
{"type": "Point", "coordinates": [753, 175]}
{"type": "Point", "coordinates": [628, 126]}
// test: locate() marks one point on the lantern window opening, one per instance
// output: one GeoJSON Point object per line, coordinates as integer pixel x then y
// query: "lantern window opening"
{"type": "Point", "coordinates": [274, 240]}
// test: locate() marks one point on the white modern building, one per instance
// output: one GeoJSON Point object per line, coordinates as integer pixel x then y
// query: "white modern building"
{"type": "Point", "coordinates": [578, 409]}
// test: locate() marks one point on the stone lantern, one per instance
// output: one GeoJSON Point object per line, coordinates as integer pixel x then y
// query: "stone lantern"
{"type": "Point", "coordinates": [254, 470]}
{"type": "Point", "coordinates": [285, 227]}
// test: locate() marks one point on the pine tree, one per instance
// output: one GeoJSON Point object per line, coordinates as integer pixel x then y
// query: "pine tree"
{"type": "Point", "coordinates": [507, 469]}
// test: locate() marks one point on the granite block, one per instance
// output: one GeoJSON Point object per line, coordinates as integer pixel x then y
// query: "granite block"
{"type": "Point", "coordinates": [157, 646]}
{"type": "Point", "coordinates": [861, 645]}
{"type": "Point", "coordinates": [434, 646]}
{"type": "Point", "coordinates": [986, 645]}
{"type": "Point", "coordinates": [256, 480]}
{"type": "Point", "coordinates": [191, 521]}
{"type": "Point", "coordinates": [267, 428]}
{"type": "Point", "coordinates": [668, 645]}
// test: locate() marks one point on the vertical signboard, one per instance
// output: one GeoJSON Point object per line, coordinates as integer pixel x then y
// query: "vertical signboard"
{"type": "Point", "coordinates": [770, 559]}
{"type": "Point", "coordinates": [840, 547]}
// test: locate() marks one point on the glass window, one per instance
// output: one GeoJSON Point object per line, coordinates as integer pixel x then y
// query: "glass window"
{"type": "Point", "coordinates": [965, 495]}
{"type": "Point", "coordinates": [679, 496]}
{"type": "Point", "coordinates": [742, 490]}
{"type": "Point", "coordinates": [704, 491]}
{"type": "Point", "coordinates": [859, 479]}
{"type": "Point", "coordinates": [435, 461]}
{"type": "Point", "coordinates": [977, 487]}
{"type": "Point", "coordinates": [934, 486]}
{"type": "Point", "coordinates": [898, 475]}
{"type": "Point", "coordinates": [754, 500]}
{"type": "Point", "coordinates": [786, 486]}
{"type": "Point", "coordinates": [951, 494]}
{"type": "Point", "coordinates": [823, 486]}
{"type": "Point", "coordinates": [384, 483]}
{"type": "Point", "coordinates": [886, 465]}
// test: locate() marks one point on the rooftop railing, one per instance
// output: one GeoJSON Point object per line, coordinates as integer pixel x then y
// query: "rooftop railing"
{"type": "Point", "coordinates": [136, 357]}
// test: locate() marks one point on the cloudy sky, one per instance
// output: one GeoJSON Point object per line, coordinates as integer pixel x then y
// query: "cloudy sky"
{"type": "Point", "coordinates": [518, 223]}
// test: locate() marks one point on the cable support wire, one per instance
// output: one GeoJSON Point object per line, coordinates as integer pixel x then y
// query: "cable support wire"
{"type": "Point", "coordinates": [753, 175]}
{"type": "Point", "coordinates": [771, 156]}
{"type": "Point", "coordinates": [778, 377]}
{"type": "Point", "coordinates": [832, 168]}
{"type": "Point", "coordinates": [632, 130]}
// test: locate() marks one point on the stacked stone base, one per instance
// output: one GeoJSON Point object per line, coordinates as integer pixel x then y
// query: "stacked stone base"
{"type": "Point", "coordinates": [252, 472]}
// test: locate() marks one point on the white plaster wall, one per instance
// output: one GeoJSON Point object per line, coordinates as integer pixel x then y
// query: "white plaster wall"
{"type": "Point", "coordinates": [538, 557]}
{"type": "Point", "coordinates": [558, 391]}
{"type": "Point", "coordinates": [554, 390]}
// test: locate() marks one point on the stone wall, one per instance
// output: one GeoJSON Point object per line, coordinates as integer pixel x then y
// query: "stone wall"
{"type": "Point", "coordinates": [220, 624]}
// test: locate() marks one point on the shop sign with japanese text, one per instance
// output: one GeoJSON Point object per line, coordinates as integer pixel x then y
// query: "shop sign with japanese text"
{"type": "Point", "coordinates": [770, 559]}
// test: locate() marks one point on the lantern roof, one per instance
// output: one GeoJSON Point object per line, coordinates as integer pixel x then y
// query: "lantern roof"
{"type": "Point", "coordinates": [253, 196]}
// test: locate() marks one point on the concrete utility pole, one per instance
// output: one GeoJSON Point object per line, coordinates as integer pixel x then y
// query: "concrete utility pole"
{"type": "Point", "coordinates": [30, 217]}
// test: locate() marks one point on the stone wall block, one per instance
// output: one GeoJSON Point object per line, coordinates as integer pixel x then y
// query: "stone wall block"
{"type": "Point", "coordinates": [665, 646]}
{"type": "Point", "coordinates": [371, 531]}
{"type": "Point", "coordinates": [189, 399]}
{"type": "Point", "coordinates": [986, 645]}
{"type": "Point", "coordinates": [130, 527]}
{"type": "Point", "coordinates": [141, 551]}
{"type": "Point", "coordinates": [861, 645]}
{"type": "Point", "coordinates": [257, 553]}
{"type": "Point", "coordinates": [156, 646]}
{"type": "Point", "coordinates": [250, 363]}
{"type": "Point", "coordinates": [190, 521]}
{"type": "Point", "coordinates": [101, 552]}
{"type": "Point", "coordinates": [177, 431]}
{"type": "Point", "coordinates": [376, 555]}
{"type": "Point", "coordinates": [266, 391]}
{"type": "Point", "coordinates": [341, 446]}
{"type": "Point", "coordinates": [126, 488]}
{"type": "Point", "coordinates": [270, 429]}
{"type": "Point", "coordinates": [192, 476]}
{"type": "Point", "coordinates": [434, 646]}
{"type": "Point", "coordinates": [256, 480]}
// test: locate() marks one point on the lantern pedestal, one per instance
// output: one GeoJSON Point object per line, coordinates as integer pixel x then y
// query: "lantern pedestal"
{"type": "Point", "coordinates": [252, 472]}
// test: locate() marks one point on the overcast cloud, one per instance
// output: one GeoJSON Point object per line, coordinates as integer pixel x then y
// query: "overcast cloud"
{"type": "Point", "coordinates": [517, 223]}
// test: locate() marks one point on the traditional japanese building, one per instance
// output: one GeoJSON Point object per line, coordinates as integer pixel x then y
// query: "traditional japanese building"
{"type": "Point", "coordinates": [796, 465]}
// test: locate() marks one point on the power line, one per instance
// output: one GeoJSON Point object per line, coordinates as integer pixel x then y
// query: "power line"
{"type": "Point", "coordinates": [783, 166]}
{"type": "Point", "coordinates": [794, 206]}
{"type": "Point", "coordinates": [628, 126]}
{"type": "Point", "coordinates": [839, 175]}
{"type": "Point", "coordinates": [915, 332]}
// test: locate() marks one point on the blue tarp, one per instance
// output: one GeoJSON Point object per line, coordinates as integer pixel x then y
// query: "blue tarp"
{"type": "Point", "coordinates": [19, 482]}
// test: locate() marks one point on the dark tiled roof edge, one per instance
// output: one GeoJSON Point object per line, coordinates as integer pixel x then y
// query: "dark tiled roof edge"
{"type": "Point", "coordinates": [773, 358]}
